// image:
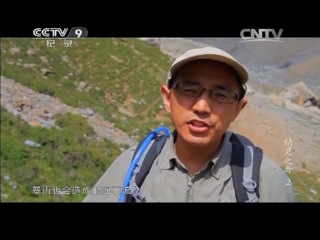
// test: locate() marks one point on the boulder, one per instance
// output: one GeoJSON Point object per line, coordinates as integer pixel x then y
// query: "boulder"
{"type": "Point", "coordinates": [299, 93]}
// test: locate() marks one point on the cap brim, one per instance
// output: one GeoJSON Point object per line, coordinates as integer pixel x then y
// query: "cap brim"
{"type": "Point", "coordinates": [216, 56]}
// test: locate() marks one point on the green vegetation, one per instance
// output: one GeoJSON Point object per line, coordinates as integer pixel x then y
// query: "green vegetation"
{"type": "Point", "coordinates": [306, 186]}
{"type": "Point", "coordinates": [70, 157]}
{"type": "Point", "coordinates": [116, 73]}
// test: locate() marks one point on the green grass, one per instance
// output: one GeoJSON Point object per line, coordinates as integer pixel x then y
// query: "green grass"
{"type": "Point", "coordinates": [304, 165]}
{"type": "Point", "coordinates": [306, 186]}
{"type": "Point", "coordinates": [113, 68]}
{"type": "Point", "coordinates": [66, 158]}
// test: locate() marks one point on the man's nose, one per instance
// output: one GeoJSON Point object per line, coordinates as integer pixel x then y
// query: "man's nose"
{"type": "Point", "coordinates": [202, 103]}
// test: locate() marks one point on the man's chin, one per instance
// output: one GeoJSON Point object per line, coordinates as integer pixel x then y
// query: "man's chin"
{"type": "Point", "coordinates": [199, 141]}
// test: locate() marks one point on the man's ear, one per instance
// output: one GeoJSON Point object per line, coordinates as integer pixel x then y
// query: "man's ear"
{"type": "Point", "coordinates": [240, 106]}
{"type": "Point", "coordinates": [165, 93]}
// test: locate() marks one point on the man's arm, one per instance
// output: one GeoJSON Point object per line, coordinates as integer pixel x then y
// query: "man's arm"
{"type": "Point", "coordinates": [275, 184]}
{"type": "Point", "coordinates": [109, 186]}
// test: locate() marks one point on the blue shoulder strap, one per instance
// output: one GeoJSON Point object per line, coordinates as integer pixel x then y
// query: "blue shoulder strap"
{"type": "Point", "coordinates": [148, 161]}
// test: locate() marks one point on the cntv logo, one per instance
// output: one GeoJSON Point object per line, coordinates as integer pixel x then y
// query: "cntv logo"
{"type": "Point", "coordinates": [261, 35]}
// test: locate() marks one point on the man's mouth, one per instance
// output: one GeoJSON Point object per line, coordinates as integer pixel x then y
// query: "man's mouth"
{"type": "Point", "coordinates": [198, 126]}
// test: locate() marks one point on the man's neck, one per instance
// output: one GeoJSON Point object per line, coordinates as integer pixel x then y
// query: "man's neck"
{"type": "Point", "coordinates": [195, 158]}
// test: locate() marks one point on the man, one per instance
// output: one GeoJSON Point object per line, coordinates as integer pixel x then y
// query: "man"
{"type": "Point", "coordinates": [204, 93]}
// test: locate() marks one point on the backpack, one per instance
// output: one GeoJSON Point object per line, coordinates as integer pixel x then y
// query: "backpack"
{"type": "Point", "coordinates": [246, 160]}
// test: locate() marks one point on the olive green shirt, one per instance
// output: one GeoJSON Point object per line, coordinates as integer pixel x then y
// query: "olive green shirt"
{"type": "Point", "coordinates": [169, 180]}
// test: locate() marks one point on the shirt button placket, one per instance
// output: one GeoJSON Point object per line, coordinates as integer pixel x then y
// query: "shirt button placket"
{"type": "Point", "coordinates": [189, 195]}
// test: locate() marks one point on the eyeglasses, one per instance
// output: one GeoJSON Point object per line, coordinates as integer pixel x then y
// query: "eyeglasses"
{"type": "Point", "coordinates": [191, 89]}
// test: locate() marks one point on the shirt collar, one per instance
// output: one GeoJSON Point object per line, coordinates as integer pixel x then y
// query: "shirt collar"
{"type": "Point", "coordinates": [168, 157]}
{"type": "Point", "coordinates": [222, 158]}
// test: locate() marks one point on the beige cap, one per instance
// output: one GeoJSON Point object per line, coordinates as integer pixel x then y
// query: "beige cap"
{"type": "Point", "coordinates": [210, 53]}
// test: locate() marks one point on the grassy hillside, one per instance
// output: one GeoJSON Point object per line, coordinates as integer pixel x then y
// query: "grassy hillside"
{"type": "Point", "coordinates": [120, 79]}
{"type": "Point", "coordinates": [125, 74]}
{"type": "Point", "coordinates": [70, 157]}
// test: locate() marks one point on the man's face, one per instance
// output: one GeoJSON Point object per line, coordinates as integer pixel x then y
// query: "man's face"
{"type": "Point", "coordinates": [202, 120]}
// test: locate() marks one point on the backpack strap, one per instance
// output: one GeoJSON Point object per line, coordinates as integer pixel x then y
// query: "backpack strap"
{"type": "Point", "coordinates": [146, 165]}
{"type": "Point", "coordinates": [245, 167]}
{"type": "Point", "coordinates": [152, 154]}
